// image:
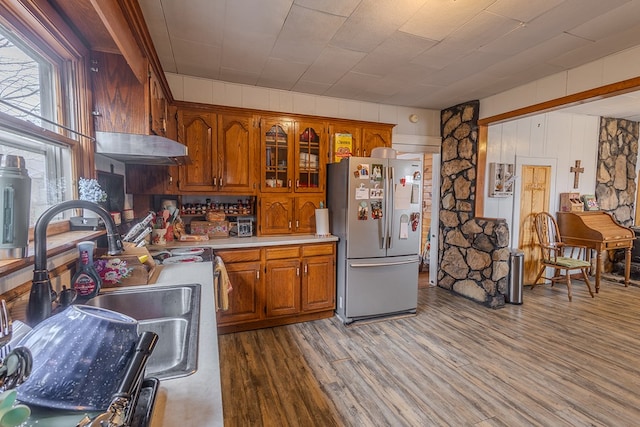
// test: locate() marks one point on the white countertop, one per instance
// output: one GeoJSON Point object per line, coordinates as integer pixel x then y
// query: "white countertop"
{"type": "Point", "coordinates": [194, 400]}
{"type": "Point", "coordinates": [251, 242]}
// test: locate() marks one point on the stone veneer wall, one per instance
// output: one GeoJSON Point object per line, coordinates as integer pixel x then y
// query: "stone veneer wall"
{"type": "Point", "coordinates": [616, 176]}
{"type": "Point", "coordinates": [474, 254]}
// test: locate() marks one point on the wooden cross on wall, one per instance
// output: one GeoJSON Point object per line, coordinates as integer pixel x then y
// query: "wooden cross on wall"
{"type": "Point", "coordinates": [577, 170]}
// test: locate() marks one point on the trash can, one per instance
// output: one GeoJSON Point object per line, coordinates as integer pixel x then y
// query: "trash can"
{"type": "Point", "coordinates": [516, 276]}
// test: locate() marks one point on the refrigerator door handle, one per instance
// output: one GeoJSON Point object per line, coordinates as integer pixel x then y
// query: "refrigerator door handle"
{"type": "Point", "coordinates": [391, 207]}
{"type": "Point", "coordinates": [382, 232]}
{"type": "Point", "coordinates": [382, 264]}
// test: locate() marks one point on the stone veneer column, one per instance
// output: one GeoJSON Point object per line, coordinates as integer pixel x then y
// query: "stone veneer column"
{"type": "Point", "coordinates": [474, 253]}
{"type": "Point", "coordinates": [616, 176]}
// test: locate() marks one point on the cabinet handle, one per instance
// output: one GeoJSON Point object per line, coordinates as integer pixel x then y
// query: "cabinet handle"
{"type": "Point", "coordinates": [221, 182]}
{"type": "Point", "coordinates": [258, 274]}
{"type": "Point", "coordinates": [306, 270]}
{"type": "Point", "coordinates": [215, 181]}
{"type": "Point", "coordinates": [298, 271]}
{"type": "Point", "coordinates": [364, 153]}
{"type": "Point", "coordinates": [297, 183]}
{"type": "Point", "coordinates": [289, 183]}
{"type": "Point", "coordinates": [170, 179]}
{"type": "Point", "coordinates": [358, 152]}
{"type": "Point", "coordinates": [289, 225]}
{"type": "Point", "coordinates": [297, 224]}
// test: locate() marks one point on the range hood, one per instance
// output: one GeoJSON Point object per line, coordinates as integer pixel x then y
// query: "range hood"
{"type": "Point", "coordinates": [141, 149]}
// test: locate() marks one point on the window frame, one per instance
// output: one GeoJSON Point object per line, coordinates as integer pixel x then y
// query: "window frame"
{"type": "Point", "coordinates": [36, 24]}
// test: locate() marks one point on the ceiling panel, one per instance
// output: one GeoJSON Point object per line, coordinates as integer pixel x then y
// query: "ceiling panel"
{"type": "Point", "coordinates": [426, 53]}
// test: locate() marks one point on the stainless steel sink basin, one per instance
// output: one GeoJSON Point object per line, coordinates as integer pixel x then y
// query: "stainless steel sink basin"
{"type": "Point", "coordinates": [173, 313]}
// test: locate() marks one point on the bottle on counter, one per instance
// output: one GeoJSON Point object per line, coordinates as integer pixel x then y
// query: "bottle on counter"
{"type": "Point", "coordinates": [86, 282]}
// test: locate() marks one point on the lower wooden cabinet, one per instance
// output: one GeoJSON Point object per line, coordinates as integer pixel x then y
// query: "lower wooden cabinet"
{"type": "Point", "coordinates": [285, 214]}
{"type": "Point", "coordinates": [278, 285]}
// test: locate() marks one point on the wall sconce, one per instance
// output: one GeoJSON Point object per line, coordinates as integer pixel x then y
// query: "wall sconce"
{"type": "Point", "coordinates": [413, 118]}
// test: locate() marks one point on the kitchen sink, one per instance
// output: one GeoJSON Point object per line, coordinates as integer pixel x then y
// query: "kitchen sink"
{"type": "Point", "coordinates": [173, 313]}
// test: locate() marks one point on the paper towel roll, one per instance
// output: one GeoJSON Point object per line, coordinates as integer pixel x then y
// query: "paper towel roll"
{"type": "Point", "coordinates": [322, 222]}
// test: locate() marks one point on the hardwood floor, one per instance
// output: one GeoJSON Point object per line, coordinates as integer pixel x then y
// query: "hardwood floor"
{"type": "Point", "coordinates": [548, 362]}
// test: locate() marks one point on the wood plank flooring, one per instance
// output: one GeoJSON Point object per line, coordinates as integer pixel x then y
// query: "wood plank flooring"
{"type": "Point", "coordinates": [548, 362]}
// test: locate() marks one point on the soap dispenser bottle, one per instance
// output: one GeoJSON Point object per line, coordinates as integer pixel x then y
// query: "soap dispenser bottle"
{"type": "Point", "coordinates": [86, 282]}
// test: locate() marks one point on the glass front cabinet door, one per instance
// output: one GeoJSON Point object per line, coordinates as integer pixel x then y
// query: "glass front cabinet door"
{"type": "Point", "coordinates": [277, 150]}
{"type": "Point", "coordinates": [311, 142]}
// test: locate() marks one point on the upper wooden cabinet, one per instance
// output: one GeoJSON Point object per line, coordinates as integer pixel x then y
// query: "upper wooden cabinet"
{"type": "Point", "coordinates": [221, 149]}
{"type": "Point", "coordinates": [237, 154]}
{"type": "Point", "coordinates": [373, 137]}
{"type": "Point", "coordinates": [310, 156]}
{"type": "Point", "coordinates": [365, 137]}
{"type": "Point", "coordinates": [276, 143]}
{"type": "Point", "coordinates": [196, 129]}
{"type": "Point", "coordinates": [121, 103]}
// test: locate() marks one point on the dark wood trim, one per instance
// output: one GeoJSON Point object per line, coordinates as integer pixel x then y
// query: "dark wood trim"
{"type": "Point", "coordinates": [602, 92]}
{"type": "Point", "coordinates": [120, 30]}
{"type": "Point", "coordinates": [278, 114]}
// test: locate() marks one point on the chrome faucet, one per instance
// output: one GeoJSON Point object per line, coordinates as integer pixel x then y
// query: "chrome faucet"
{"type": "Point", "coordinates": [42, 296]}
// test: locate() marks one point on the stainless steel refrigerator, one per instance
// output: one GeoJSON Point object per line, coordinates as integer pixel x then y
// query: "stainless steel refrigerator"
{"type": "Point", "coordinates": [374, 208]}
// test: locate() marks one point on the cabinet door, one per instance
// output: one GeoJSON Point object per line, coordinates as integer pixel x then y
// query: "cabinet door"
{"type": "Point", "coordinates": [276, 215]}
{"type": "Point", "coordinates": [158, 107]}
{"type": "Point", "coordinates": [305, 213]}
{"type": "Point", "coordinates": [245, 298]}
{"type": "Point", "coordinates": [318, 283]}
{"type": "Point", "coordinates": [277, 152]}
{"type": "Point", "coordinates": [356, 135]}
{"type": "Point", "coordinates": [282, 287]}
{"type": "Point", "coordinates": [196, 130]}
{"type": "Point", "coordinates": [374, 137]}
{"type": "Point", "coordinates": [120, 101]}
{"type": "Point", "coordinates": [310, 156]}
{"type": "Point", "coordinates": [236, 153]}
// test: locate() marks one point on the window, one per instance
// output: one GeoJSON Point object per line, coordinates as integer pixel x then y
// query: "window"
{"type": "Point", "coordinates": [27, 82]}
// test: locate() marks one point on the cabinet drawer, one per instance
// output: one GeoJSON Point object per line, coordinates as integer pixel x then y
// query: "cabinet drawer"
{"type": "Point", "coordinates": [312, 250]}
{"type": "Point", "coordinates": [280, 252]}
{"type": "Point", "coordinates": [239, 255]}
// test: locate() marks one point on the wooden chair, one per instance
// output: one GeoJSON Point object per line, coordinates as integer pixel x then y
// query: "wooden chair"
{"type": "Point", "coordinates": [557, 255]}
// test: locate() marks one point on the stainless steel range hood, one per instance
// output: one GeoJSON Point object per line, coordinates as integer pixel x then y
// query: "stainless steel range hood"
{"type": "Point", "coordinates": [141, 149]}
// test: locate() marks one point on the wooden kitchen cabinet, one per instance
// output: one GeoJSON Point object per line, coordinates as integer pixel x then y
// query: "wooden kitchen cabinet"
{"type": "Point", "coordinates": [318, 277]}
{"type": "Point", "coordinates": [121, 103]}
{"type": "Point", "coordinates": [276, 143]}
{"type": "Point", "coordinates": [288, 214]}
{"type": "Point", "coordinates": [298, 285]}
{"type": "Point", "coordinates": [196, 129]}
{"type": "Point", "coordinates": [373, 137]}
{"type": "Point", "coordinates": [364, 137]}
{"type": "Point", "coordinates": [221, 150]}
{"type": "Point", "coordinates": [236, 153]}
{"type": "Point", "coordinates": [310, 156]}
{"type": "Point", "coordinates": [283, 287]}
{"type": "Point", "coordinates": [275, 215]}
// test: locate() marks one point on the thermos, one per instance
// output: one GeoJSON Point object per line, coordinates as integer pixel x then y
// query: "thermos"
{"type": "Point", "coordinates": [15, 198]}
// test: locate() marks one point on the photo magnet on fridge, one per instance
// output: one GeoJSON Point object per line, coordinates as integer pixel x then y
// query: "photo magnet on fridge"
{"type": "Point", "coordinates": [376, 172]}
{"type": "Point", "coordinates": [362, 193]}
{"type": "Point", "coordinates": [363, 171]}
{"type": "Point", "coordinates": [376, 209]}
{"type": "Point", "coordinates": [376, 193]}
{"type": "Point", "coordinates": [363, 211]}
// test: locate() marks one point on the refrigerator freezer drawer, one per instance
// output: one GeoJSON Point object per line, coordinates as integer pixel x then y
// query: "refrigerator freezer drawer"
{"type": "Point", "coordinates": [380, 286]}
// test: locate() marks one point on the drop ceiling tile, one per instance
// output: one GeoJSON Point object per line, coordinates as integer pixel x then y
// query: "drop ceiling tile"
{"type": "Point", "coordinates": [305, 34]}
{"type": "Point", "coordinates": [609, 23]}
{"type": "Point", "coordinates": [193, 23]}
{"type": "Point", "coordinates": [334, 7]}
{"type": "Point", "coordinates": [437, 19]}
{"type": "Point", "coordinates": [239, 76]}
{"type": "Point", "coordinates": [523, 11]}
{"type": "Point", "coordinates": [332, 63]}
{"type": "Point", "coordinates": [400, 48]}
{"type": "Point", "coordinates": [372, 22]}
{"type": "Point", "coordinates": [198, 58]}
{"type": "Point", "coordinates": [244, 55]}
{"type": "Point", "coordinates": [280, 74]}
